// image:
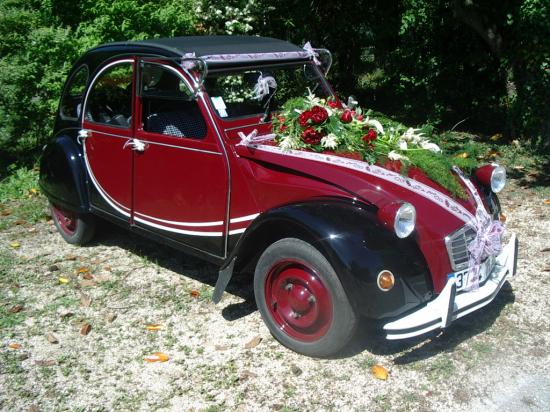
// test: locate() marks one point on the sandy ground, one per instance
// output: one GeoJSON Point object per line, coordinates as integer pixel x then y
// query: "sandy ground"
{"type": "Point", "coordinates": [496, 359]}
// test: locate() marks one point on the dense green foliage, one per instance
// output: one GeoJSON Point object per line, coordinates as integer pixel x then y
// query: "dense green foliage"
{"type": "Point", "coordinates": [482, 65]}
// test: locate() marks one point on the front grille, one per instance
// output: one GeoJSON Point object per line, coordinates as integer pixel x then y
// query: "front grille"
{"type": "Point", "coordinates": [457, 246]}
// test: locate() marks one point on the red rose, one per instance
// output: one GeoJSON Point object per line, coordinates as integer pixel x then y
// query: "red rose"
{"type": "Point", "coordinates": [334, 104]}
{"type": "Point", "coordinates": [346, 117]}
{"type": "Point", "coordinates": [370, 136]}
{"type": "Point", "coordinates": [304, 118]}
{"type": "Point", "coordinates": [318, 114]}
{"type": "Point", "coordinates": [360, 117]}
{"type": "Point", "coordinates": [282, 128]}
{"type": "Point", "coordinates": [311, 136]}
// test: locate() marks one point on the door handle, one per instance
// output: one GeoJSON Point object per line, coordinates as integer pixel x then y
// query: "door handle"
{"type": "Point", "coordinates": [136, 144]}
{"type": "Point", "coordinates": [83, 134]}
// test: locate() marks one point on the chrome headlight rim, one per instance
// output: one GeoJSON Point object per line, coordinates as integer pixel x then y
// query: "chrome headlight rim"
{"type": "Point", "coordinates": [498, 178]}
{"type": "Point", "coordinates": [405, 220]}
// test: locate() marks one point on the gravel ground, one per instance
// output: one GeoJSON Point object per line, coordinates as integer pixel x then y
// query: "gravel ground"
{"type": "Point", "coordinates": [222, 357]}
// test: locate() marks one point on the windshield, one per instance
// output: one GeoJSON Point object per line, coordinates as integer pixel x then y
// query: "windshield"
{"type": "Point", "coordinates": [249, 92]}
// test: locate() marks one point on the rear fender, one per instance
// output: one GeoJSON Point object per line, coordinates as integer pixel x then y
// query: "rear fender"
{"type": "Point", "coordinates": [63, 176]}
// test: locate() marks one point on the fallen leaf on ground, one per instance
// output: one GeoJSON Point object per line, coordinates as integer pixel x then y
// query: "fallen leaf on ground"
{"type": "Point", "coordinates": [462, 155]}
{"type": "Point", "coordinates": [518, 167]}
{"type": "Point", "coordinates": [45, 362]}
{"type": "Point", "coordinates": [153, 327]}
{"type": "Point", "coordinates": [246, 375]}
{"type": "Point", "coordinates": [546, 249]}
{"type": "Point", "coordinates": [379, 372]}
{"type": "Point", "coordinates": [107, 268]}
{"type": "Point", "coordinates": [86, 283]}
{"type": "Point", "coordinates": [296, 371]}
{"type": "Point", "coordinates": [19, 222]}
{"type": "Point", "coordinates": [83, 270]}
{"type": "Point", "coordinates": [64, 280]}
{"type": "Point", "coordinates": [547, 201]}
{"type": "Point", "coordinates": [67, 314]}
{"type": "Point", "coordinates": [15, 245]}
{"type": "Point", "coordinates": [70, 257]}
{"type": "Point", "coordinates": [52, 338]}
{"type": "Point", "coordinates": [5, 212]}
{"type": "Point", "coordinates": [85, 329]}
{"type": "Point", "coordinates": [14, 345]}
{"type": "Point", "coordinates": [156, 357]}
{"type": "Point", "coordinates": [88, 276]}
{"type": "Point", "coordinates": [111, 317]}
{"type": "Point", "coordinates": [33, 191]}
{"type": "Point", "coordinates": [17, 308]}
{"type": "Point", "coordinates": [195, 293]}
{"type": "Point", "coordinates": [53, 268]}
{"type": "Point", "coordinates": [221, 347]}
{"type": "Point", "coordinates": [496, 136]}
{"type": "Point", "coordinates": [253, 342]}
{"type": "Point", "coordinates": [85, 300]}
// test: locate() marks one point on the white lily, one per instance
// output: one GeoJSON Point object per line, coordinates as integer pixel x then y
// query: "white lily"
{"type": "Point", "coordinates": [402, 144]}
{"type": "Point", "coordinates": [330, 141]}
{"type": "Point", "coordinates": [393, 155]}
{"type": "Point", "coordinates": [376, 124]}
{"type": "Point", "coordinates": [430, 146]}
{"type": "Point", "coordinates": [287, 143]}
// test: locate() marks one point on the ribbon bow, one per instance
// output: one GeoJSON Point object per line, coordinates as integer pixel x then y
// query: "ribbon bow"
{"type": "Point", "coordinates": [486, 243]}
{"type": "Point", "coordinates": [263, 85]}
{"type": "Point", "coordinates": [312, 53]}
{"type": "Point", "coordinates": [253, 138]}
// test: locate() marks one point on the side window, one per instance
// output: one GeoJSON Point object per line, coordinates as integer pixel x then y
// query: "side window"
{"type": "Point", "coordinates": [169, 107]}
{"type": "Point", "coordinates": [71, 102]}
{"type": "Point", "coordinates": [110, 100]}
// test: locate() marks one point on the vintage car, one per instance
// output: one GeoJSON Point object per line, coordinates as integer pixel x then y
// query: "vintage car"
{"type": "Point", "coordinates": [164, 137]}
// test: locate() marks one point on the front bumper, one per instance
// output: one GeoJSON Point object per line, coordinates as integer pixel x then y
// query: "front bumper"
{"type": "Point", "coordinates": [448, 306]}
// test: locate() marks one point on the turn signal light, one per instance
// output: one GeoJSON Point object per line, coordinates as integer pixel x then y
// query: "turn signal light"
{"type": "Point", "coordinates": [385, 280]}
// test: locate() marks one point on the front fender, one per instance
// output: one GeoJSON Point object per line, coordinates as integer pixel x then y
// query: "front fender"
{"type": "Point", "coordinates": [353, 240]}
{"type": "Point", "coordinates": [62, 174]}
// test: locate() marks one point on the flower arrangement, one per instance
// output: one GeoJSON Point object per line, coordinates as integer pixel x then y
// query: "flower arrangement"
{"type": "Point", "coordinates": [311, 123]}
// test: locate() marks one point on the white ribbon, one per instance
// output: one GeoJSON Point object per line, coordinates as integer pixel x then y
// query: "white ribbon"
{"type": "Point", "coordinates": [312, 53]}
{"type": "Point", "coordinates": [253, 138]}
{"type": "Point", "coordinates": [263, 85]}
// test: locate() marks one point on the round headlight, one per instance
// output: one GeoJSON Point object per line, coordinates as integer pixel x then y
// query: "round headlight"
{"type": "Point", "coordinates": [498, 179]}
{"type": "Point", "coordinates": [405, 220]}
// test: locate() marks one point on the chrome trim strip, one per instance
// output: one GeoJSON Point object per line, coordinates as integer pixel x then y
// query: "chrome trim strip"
{"type": "Point", "coordinates": [182, 147]}
{"type": "Point", "coordinates": [241, 127]}
{"type": "Point", "coordinates": [110, 134]}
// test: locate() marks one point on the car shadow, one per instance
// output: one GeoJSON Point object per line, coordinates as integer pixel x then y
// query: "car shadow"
{"type": "Point", "coordinates": [370, 335]}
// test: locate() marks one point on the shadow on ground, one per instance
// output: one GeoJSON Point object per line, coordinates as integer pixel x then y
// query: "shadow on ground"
{"type": "Point", "coordinates": [369, 337]}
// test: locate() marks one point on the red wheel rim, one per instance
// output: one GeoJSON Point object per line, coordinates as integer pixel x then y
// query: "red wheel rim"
{"type": "Point", "coordinates": [65, 219]}
{"type": "Point", "coordinates": [298, 301]}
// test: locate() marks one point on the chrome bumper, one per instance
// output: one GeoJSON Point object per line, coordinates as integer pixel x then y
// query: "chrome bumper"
{"type": "Point", "coordinates": [448, 306]}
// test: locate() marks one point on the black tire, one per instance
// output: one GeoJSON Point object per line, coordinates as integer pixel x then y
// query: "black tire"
{"type": "Point", "coordinates": [283, 297]}
{"type": "Point", "coordinates": [79, 231]}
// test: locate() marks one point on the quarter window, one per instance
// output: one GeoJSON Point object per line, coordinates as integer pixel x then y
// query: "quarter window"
{"type": "Point", "coordinates": [71, 103]}
{"type": "Point", "coordinates": [110, 100]}
{"type": "Point", "coordinates": [169, 107]}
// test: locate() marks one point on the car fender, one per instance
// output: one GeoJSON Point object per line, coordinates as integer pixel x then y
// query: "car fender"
{"type": "Point", "coordinates": [62, 174]}
{"type": "Point", "coordinates": [357, 245]}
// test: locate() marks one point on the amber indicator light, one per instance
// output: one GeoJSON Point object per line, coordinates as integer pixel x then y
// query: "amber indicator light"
{"type": "Point", "coordinates": [385, 280]}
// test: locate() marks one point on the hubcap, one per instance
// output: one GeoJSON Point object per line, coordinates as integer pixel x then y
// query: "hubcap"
{"type": "Point", "coordinates": [65, 219]}
{"type": "Point", "coordinates": [298, 300]}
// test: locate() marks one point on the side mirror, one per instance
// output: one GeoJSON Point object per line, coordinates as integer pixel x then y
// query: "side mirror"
{"type": "Point", "coordinates": [197, 70]}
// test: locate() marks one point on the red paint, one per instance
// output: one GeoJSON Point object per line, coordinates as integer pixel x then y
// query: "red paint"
{"type": "Point", "coordinates": [298, 300]}
{"type": "Point", "coordinates": [484, 173]}
{"type": "Point", "coordinates": [67, 220]}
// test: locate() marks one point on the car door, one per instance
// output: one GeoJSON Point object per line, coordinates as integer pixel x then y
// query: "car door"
{"type": "Point", "coordinates": [106, 135]}
{"type": "Point", "coordinates": [181, 183]}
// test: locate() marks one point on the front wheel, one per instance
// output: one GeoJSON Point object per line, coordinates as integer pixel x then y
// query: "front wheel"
{"type": "Point", "coordinates": [77, 229]}
{"type": "Point", "coordinates": [301, 299]}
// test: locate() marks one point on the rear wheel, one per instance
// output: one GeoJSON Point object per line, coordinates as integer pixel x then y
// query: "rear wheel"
{"type": "Point", "coordinates": [77, 229]}
{"type": "Point", "coordinates": [301, 299]}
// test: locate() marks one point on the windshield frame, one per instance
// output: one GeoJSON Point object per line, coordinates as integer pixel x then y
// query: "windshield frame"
{"type": "Point", "coordinates": [242, 68]}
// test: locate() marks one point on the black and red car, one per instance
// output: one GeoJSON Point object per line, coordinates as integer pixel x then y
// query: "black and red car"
{"type": "Point", "coordinates": [163, 137]}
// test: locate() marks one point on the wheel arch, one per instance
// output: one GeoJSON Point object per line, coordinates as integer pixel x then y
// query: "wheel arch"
{"type": "Point", "coordinates": [349, 234]}
{"type": "Point", "coordinates": [63, 175]}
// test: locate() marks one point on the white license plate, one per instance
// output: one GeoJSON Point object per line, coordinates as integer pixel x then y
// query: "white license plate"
{"type": "Point", "coordinates": [463, 276]}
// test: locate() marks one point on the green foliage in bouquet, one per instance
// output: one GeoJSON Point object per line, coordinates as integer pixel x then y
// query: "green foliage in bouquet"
{"type": "Point", "coordinates": [311, 123]}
